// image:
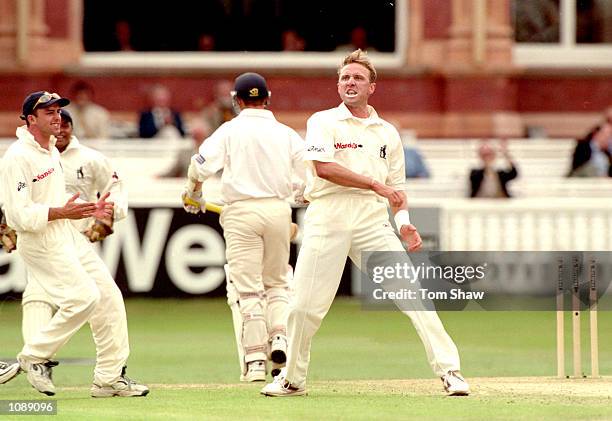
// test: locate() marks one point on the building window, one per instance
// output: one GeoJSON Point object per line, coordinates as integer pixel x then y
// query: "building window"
{"type": "Point", "coordinates": [563, 33]}
{"type": "Point", "coordinates": [242, 33]}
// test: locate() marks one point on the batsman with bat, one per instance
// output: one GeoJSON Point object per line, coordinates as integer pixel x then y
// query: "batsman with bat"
{"type": "Point", "coordinates": [87, 174]}
{"type": "Point", "coordinates": [260, 157]}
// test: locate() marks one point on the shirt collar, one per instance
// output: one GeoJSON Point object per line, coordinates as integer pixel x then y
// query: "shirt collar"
{"type": "Point", "coordinates": [24, 135]}
{"type": "Point", "coordinates": [257, 112]}
{"type": "Point", "coordinates": [74, 144]}
{"type": "Point", "coordinates": [344, 114]}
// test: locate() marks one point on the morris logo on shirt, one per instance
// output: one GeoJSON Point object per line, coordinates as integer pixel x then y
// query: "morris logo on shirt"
{"type": "Point", "coordinates": [350, 145]}
{"type": "Point", "coordinates": [21, 185]}
{"type": "Point", "coordinates": [43, 175]}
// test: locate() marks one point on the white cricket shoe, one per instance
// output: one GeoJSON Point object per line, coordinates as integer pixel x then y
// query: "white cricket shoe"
{"type": "Point", "coordinates": [278, 349]}
{"type": "Point", "coordinates": [280, 387]}
{"type": "Point", "coordinates": [256, 372]}
{"type": "Point", "coordinates": [455, 384]}
{"type": "Point", "coordinates": [8, 371]}
{"type": "Point", "coordinates": [39, 374]}
{"type": "Point", "coordinates": [124, 387]}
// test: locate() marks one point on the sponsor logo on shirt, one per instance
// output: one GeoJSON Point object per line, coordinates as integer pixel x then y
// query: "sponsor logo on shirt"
{"type": "Point", "coordinates": [350, 145]}
{"type": "Point", "coordinates": [21, 185]}
{"type": "Point", "coordinates": [315, 149]}
{"type": "Point", "coordinates": [199, 159]}
{"type": "Point", "coordinates": [42, 176]}
{"type": "Point", "coordinates": [115, 176]}
{"type": "Point", "coordinates": [80, 174]}
{"type": "Point", "coordinates": [383, 152]}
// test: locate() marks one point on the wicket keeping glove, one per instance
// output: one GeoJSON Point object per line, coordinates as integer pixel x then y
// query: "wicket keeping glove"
{"type": "Point", "coordinates": [8, 237]}
{"type": "Point", "coordinates": [193, 202]}
{"type": "Point", "coordinates": [99, 230]}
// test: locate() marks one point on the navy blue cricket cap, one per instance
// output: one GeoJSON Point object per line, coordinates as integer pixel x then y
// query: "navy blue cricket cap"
{"type": "Point", "coordinates": [41, 99]}
{"type": "Point", "coordinates": [251, 86]}
{"type": "Point", "coordinates": [66, 116]}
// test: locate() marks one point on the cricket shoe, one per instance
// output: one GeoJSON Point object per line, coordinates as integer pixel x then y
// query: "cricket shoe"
{"type": "Point", "coordinates": [278, 349]}
{"type": "Point", "coordinates": [455, 384]}
{"type": "Point", "coordinates": [8, 371]}
{"type": "Point", "coordinates": [39, 374]}
{"type": "Point", "coordinates": [280, 387]}
{"type": "Point", "coordinates": [124, 387]}
{"type": "Point", "coordinates": [256, 372]}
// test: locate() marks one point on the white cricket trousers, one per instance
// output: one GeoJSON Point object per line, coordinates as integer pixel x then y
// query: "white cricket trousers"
{"type": "Point", "coordinates": [257, 234]}
{"type": "Point", "coordinates": [336, 226]}
{"type": "Point", "coordinates": [76, 281]}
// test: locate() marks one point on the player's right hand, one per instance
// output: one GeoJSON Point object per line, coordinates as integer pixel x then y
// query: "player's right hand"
{"type": "Point", "coordinates": [396, 198]}
{"type": "Point", "coordinates": [75, 210]}
{"type": "Point", "coordinates": [193, 202]}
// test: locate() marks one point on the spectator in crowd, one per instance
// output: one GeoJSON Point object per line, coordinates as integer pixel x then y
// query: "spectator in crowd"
{"type": "Point", "coordinates": [220, 110]}
{"type": "Point", "coordinates": [359, 40]}
{"type": "Point", "coordinates": [91, 121]}
{"type": "Point", "coordinates": [160, 120]}
{"type": "Point", "coordinates": [415, 164]}
{"type": "Point", "coordinates": [536, 20]}
{"type": "Point", "coordinates": [124, 35]}
{"type": "Point", "coordinates": [292, 41]}
{"type": "Point", "coordinates": [206, 42]}
{"type": "Point", "coordinates": [593, 154]}
{"type": "Point", "coordinates": [487, 181]}
{"type": "Point", "coordinates": [199, 132]}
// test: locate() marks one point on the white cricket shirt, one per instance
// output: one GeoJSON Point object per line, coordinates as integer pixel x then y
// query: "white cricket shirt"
{"type": "Point", "coordinates": [371, 147]}
{"type": "Point", "coordinates": [32, 181]}
{"type": "Point", "coordinates": [258, 155]}
{"type": "Point", "coordinates": [90, 172]}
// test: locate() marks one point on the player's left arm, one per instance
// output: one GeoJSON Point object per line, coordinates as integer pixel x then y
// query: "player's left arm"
{"type": "Point", "coordinates": [107, 180]}
{"type": "Point", "coordinates": [209, 159]}
{"type": "Point", "coordinates": [396, 179]}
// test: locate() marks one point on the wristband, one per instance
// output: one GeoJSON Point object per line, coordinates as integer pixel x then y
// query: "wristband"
{"type": "Point", "coordinates": [402, 217]}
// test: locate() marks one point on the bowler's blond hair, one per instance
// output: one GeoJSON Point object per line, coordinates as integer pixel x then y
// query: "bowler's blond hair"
{"type": "Point", "coordinates": [359, 57]}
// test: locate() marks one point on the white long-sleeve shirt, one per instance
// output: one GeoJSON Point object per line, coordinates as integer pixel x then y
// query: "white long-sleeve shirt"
{"type": "Point", "coordinates": [90, 172]}
{"type": "Point", "coordinates": [31, 182]}
{"type": "Point", "coordinates": [259, 157]}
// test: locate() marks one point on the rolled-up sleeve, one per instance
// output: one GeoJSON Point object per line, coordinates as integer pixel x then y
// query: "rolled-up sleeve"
{"type": "Point", "coordinates": [21, 212]}
{"type": "Point", "coordinates": [319, 141]}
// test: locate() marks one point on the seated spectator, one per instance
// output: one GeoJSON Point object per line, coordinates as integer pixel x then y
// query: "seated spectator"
{"type": "Point", "coordinates": [206, 42]}
{"type": "Point", "coordinates": [487, 181]}
{"type": "Point", "coordinates": [160, 120]}
{"type": "Point", "coordinates": [593, 154]}
{"type": "Point", "coordinates": [220, 109]}
{"type": "Point", "coordinates": [91, 121]}
{"type": "Point", "coordinates": [292, 41]}
{"type": "Point", "coordinates": [415, 165]}
{"type": "Point", "coordinates": [199, 132]}
{"type": "Point", "coordinates": [359, 40]}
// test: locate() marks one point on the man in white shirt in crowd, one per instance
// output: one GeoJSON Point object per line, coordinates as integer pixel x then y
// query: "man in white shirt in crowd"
{"type": "Point", "coordinates": [75, 282]}
{"type": "Point", "coordinates": [91, 121]}
{"type": "Point", "coordinates": [356, 161]}
{"type": "Point", "coordinates": [259, 156]}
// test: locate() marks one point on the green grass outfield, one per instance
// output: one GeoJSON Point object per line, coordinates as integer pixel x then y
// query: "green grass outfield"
{"type": "Point", "coordinates": [364, 365]}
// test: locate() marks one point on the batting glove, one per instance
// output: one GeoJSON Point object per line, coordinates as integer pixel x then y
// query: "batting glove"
{"type": "Point", "coordinates": [193, 202]}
